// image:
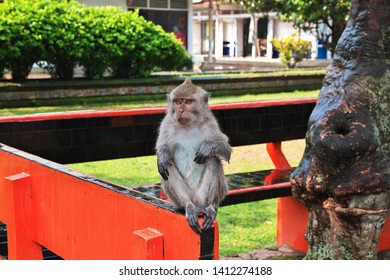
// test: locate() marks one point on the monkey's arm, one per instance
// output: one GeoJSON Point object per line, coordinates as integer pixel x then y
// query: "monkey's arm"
{"type": "Point", "coordinates": [163, 151]}
{"type": "Point", "coordinates": [164, 159]}
{"type": "Point", "coordinates": [216, 143]}
{"type": "Point", "coordinates": [223, 150]}
{"type": "Point", "coordinates": [218, 147]}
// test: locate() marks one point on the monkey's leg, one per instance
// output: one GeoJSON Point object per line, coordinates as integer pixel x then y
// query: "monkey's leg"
{"type": "Point", "coordinates": [212, 190]}
{"type": "Point", "coordinates": [178, 191]}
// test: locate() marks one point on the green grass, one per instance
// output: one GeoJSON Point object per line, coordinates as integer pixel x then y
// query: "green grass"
{"type": "Point", "coordinates": [247, 227]}
{"type": "Point", "coordinates": [128, 102]}
{"type": "Point", "coordinates": [243, 227]}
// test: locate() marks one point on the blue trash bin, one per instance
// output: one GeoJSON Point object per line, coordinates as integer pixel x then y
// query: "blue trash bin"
{"type": "Point", "coordinates": [229, 48]}
{"type": "Point", "coordinates": [322, 52]}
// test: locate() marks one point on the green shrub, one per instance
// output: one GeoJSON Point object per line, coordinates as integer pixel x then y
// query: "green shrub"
{"type": "Point", "coordinates": [144, 47]}
{"type": "Point", "coordinates": [20, 38]}
{"type": "Point", "coordinates": [63, 35]}
{"type": "Point", "coordinates": [170, 53]}
{"type": "Point", "coordinates": [101, 47]}
{"type": "Point", "coordinates": [59, 35]}
{"type": "Point", "coordinates": [293, 49]}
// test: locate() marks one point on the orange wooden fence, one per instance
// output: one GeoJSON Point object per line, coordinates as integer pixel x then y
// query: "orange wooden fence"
{"type": "Point", "coordinates": [78, 216]}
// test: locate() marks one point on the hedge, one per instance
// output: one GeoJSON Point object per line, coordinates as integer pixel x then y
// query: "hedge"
{"type": "Point", "coordinates": [105, 41]}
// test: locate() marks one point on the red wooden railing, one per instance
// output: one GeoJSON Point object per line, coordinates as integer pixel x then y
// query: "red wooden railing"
{"type": "Point", "coordinates": [77, 216]}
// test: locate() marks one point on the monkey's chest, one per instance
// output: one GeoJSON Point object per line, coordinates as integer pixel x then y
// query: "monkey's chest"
{"type": "Point", "coordinates": [184, 159]}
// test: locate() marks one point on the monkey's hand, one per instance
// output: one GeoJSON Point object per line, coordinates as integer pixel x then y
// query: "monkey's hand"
{"type": "Point", "coordinates": [163, 161]}
{"type": "Point", "coordinates": [206, 150]}
{"type": "Point", "coordinates": [192, 213]}
{"type": "Point", "coordinates": [210, 215]}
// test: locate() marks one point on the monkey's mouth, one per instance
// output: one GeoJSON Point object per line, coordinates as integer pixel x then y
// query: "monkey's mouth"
{"type": "Point", "coordinates": [184, 121]}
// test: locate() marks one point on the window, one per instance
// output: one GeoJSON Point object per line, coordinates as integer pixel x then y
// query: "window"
{"type": "Point", "coordinates": [137, 3]}
{"type": "Point", "coordinates": [179, 4]}
{"type": "Point", "coordinates": [172, 15]}
{"type": "Point", "coordinates": [159, 4]}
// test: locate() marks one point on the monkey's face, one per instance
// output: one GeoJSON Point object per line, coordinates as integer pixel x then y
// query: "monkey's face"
{"type": "Point", "coordinates": [188, 104]}
{"type": "Point", "coordinates": [185, 109]}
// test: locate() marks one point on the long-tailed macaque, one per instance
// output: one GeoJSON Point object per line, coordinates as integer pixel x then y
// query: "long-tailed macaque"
{"type": "Point", "coordinates": [190, 147]}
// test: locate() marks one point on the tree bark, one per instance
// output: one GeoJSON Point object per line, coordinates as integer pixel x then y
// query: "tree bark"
{"type": "Point", "coordinates": [344, 175]}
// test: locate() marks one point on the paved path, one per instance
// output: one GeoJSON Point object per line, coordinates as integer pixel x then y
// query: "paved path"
{"type": "Point", "coordinates": [283, 253]}
{"type": "Point", "coordinates": [273, 253]}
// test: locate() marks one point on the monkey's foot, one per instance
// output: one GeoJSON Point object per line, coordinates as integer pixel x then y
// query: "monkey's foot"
{"type": "Point", "coordinates": [209, 215]}
{"type": "Point", "coordinates": [192, 213]}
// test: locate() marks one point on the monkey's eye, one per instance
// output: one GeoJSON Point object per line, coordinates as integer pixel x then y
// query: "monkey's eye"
{"type": "Point", "coordinates": [189, 101]}
{"type": "Point", "coordinates": [178, 101]}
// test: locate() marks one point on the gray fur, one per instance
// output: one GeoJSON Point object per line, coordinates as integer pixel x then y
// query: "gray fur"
{"type": "Point", "coordinates": [189, 157]}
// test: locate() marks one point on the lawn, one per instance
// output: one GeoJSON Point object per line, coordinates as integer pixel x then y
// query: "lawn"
{"type": "Point", "coordinates": [243, 227]}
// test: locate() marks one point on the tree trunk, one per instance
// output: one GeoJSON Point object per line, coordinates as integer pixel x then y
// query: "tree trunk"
{"type": "Point", "coordinates": [338, 27]}
{"type": "Point", "coordinates": [344, 175]}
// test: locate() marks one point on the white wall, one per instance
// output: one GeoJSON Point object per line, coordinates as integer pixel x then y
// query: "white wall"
{"type": "Point", "coordinates": [229, 30]}
{"type": "Point", "coordinates": [240, 38]}
{"type": "Point", "coordinates": [219, 33]}
{"type": "Point", "coordinates": [283, 29]}
{"type": "Point", "coordinates": [197, 34]}
{"type": "Point", "coordinates": [270, 36]}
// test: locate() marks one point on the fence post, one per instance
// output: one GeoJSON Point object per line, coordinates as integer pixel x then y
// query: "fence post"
{"type": "Point", "coordinates": [274, 150]}
{"type": "Point", "coordinates": [280, 162]}
{"type": "Point", "coordinates": [20, 227]}
{"type": "Point", "coordinates": [149, 244]}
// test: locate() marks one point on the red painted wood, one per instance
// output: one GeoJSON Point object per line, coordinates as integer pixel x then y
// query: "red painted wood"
{"type": "Point", "coordinates": [279, 160]}
{"type": "Point", "coordinates": [20, 226]}
{"type": "Point", "coordinates": [149, 244]}
{"type": "Point", "coordinates": [276, 176]}
{"type": "Point", "coordinates": [275, 152]}
{"type": "Point", "coordinates": [81, 114]}
{"type": "Point", "coordinates": [292, 218]}
{"type": "Point", "coordinates": [79, 219]}
{"type": "Point", "coordinates": [384, 238]}
{"type": "Point", "coordinates": [260, 188]}
{"type": "Point", "coordinates": [265, 103]}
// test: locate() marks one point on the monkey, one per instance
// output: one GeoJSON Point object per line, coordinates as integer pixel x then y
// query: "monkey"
{"type": "Point", "coordinates": [190, 148]}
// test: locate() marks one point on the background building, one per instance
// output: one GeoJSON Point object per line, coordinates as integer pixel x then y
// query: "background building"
{"type": "Point", "coordinates": [232, 31]}
{"type": "Point", "coordinates": [231, 27]}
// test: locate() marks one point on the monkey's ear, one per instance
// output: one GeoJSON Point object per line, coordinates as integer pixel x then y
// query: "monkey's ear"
{"type": "Point", "coordinates": [168, 97]}
{"type": "Point", "coordinates": [206, 97]}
